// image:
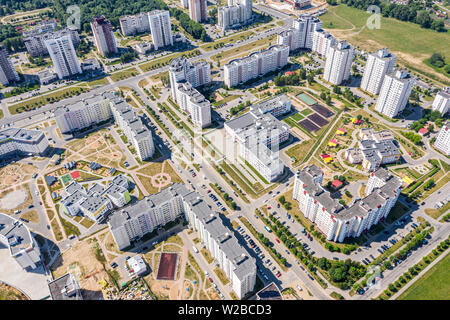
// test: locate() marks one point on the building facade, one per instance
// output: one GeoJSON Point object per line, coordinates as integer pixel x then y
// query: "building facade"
{"type": "Point", "coordinates": [236, 14]}
{"type": "Point", "coordinates": [18, 141]}
{"type": "Point", "coordinates": [443, 139]}
{"type": "Point", "coordinates": [35, 41]}
{"type": "Point", "coordinates": [394, 94]}
{"type": "Point", "coordinates": [322, 41]}
{"type": "Point", "coordinates": [197, 10]}
{"type": "Point", "coordinates": [184, 78]}
{"type": "Point", "coordinates": [379, 63]}
{"type": "Point", "coordinates": [239, 71]}
{"type": "Point", "coordinates": [334, 220]}
{"type": "Point", "coordinates": [338, 63]}
{"type": "Point", "coordinates": [64, 57]}
{"type": "Point", "coordinates": [300, 35]}
{"type": "Point", "coordinates": [134, 24]}
{"type": "Point", "coordinates": [103, 36]}
{"type": "Point", "coordinates": [161, 28]}
{"type": "Point", "coordinates": [7, 72]}
{"type": "Point", "coordinates": [441, 102]}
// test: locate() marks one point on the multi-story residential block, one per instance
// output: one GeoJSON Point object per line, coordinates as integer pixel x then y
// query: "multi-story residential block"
{"type": "Point", "coordinates": [97, 202]}
{"type": "Point", "coordinates": [185, 4]}
{"type": "Point", "coordinates": [42, 27]}
{"type": "Point", "coordinates": [235, 14]}
{"type": "Point", "coordinates": [334, 220]}
{"type": "Point", "coordinates": [239, 71]}
{"type": "Point", "coordinates": [133, 128]}
{"type": "Point", "coordinates": [65, 287]}
{"type": "Point", "coordinates": [103, 36]}
{"type": "Point", "coordinates": [443, 139]}
{"type": "Point", "coordinates": [133, 222]}
{"type": "Point", "coordinates": [379, 63]}
{"type": "Point", "coordinates": [258, 134]}
{"type": "Point", "coordinates": [441, 102]}
{"type": "Point", "coordinates": [35, 40]}
{"type": "Point", "coordinates": [197, 10]}
{"type": "Point", "coordinates": [322, 40]}
{"type": "Point", "coordinates": [18, 141]}
{"type": "Point", "coordinates": [64, 57]}
{"type": "Point", "coordinates": [7, 72]}
{"type": "Point", "coordinates": [338, 63]}
{"type": "Point", "coordinates": [131, 25]}
{"type": "Point", "coordinates": [161, 28]}
{"type": "Point", "coordinates": [231, 257]}
{"type": "Point", "coordinates": [394, 94]}
{"type": "Point", "coordinates": [19, 241]}
{"type": "Point", "coordinates": [84, 113]}
{"type": "Point", "coordinates": [376, 149]}
{"type": "Point", "coordinates": [184, 78]}
{"type": "Point", "coordinates": [300, 35]}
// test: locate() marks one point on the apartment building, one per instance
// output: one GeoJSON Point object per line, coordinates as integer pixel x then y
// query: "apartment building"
{"type": "Point", "coordinates": [239, 71]}
{"type": "Point", "coordinates": [18, 141]}
{"type": "Point", "coordinates": [103, 36]}
{"type": "Point", "coordinates": [133, 128]}
{"type": "Point", "coordinates": [300, 35]}
{"type": "Point", "coordinates": [258, 134]}
{"type": "Point", "coordinates": [379, 63]}
{"type": "Point", "coordinates": [185, 4]}
{"type": "Point", "coordinates": [7, 72]}
{"type": "Point", "coordinates": [443, 139]}
{"type": "Point", "coordinates": [336, 221]}
{"type": "Point", "coordinates": [35, 40]}
{"type": "Point", "coordinates": [236, 14]}
{"type": "Point", "coordinates": [184, 78]}
{"type": "Point", "coordinates": [85, 113]}
{"type": "Point", "coordinates": [42, 27]}
{"type": "Point", "coordinates": [96, 202]}
{"type": "Point", "coordinates": [19, 241]}
{"type": "Point", "coordinates": [161, 28]}
{"type": "Point", "coordinates": [322, 40]}
{"type": "Point", "coordinates": [238, 266]}
{"type": "Point", "coordinates": [64, 57]}
{"type": "Point", "coordinates": [394, 94]}
{"type": "Point", "coordinates": [376, 148]}
{"type": "Point", "coordinates": [338, 62]}
{"type": "Point", "coordinates": [134, 24]}
{"type": "Point", "coordinates": [197, 10]}
{"type": "Point", "coordinates": [441, 102]}
{"type": "Point", "coordinates": [154, 211]}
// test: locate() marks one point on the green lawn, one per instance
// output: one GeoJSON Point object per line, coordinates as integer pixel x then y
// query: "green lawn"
{"type": "Point", "coordinates": [297, 117]}
{"type": "Point", "coordinates": [433, 285]}
{"type": "Point", "coordinates": [413, 42]}
{"type": "Point", "coordinates": [117, 76]}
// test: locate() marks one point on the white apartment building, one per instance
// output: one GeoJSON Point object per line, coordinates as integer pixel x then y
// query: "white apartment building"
{"type": "Point", "coordinates": [103, 36]}
{"type": "Point", "coordinates": [379, 63]}
{"type": "Point", "coordinates": [64, 57]}
{"type": "Point", "coordinates": [441, 102]}
{"type": "Point", "coordinates": [133, 128]}
{"type": "Point", "coordinates": [247, 7]}
{"type": "Point", "coordinates": [197, 10]}
{"type": "Point", "coordinates": [394, 93]}
{"type": "Point", "coordinates": [7, 72]}
{"type": "Point", "coordinates": [300, 35]}
{"type": "Point", "coordinates": [35, 40]}
{"type": "Point", "coordinates": [84, 113]}
{"type": "Point", "coordinates": [19, 241]}
{"type": "Point", "coordinates": [184, 78]}
{"type": "Point", "coordinates": [443, 139]}
{"type": "Point", "coordinates": [238, 266]}
{"type": "Point", "coordinates": [131, 25]}
{"type": "Point", "coordinates": [18, 141]}
{"type": "Point", "coordinates": [338, 63]}
{"type": "Point", "coordinates": [258, 134]}
{"type": "Point", "coordinates": [336, 221]}
{"type": "Point", "coordinates": [185, 4]}
{"type": "Point", "coordinates": [322, 40]}
{"type": "Point", "coordinates": [239, 71]}
{"type": "Point", "coordinates": [160, 28]}
{"type": "Point", "coordinates": [235, 14]}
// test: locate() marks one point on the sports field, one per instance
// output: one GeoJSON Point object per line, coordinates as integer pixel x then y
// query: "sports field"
{"type": "Point", "coordinates": [433, 285]}
{"type": "Point", "coordinates": [409, 41]}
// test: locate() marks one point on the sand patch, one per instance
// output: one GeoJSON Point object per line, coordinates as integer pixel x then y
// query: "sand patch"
{"type": "Point", "coordinates": [13, 199]}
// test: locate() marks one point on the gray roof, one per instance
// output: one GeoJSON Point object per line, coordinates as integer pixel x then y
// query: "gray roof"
{"type": "Point", "coordinates": [244, 264]}
{"type": "Point", "coordinates": [22, 135]}
{"type": "Point", "coordinates": [17, 234]}
{"type": "Point", "coordinates": [65, 288]}
{"type": "Point", "coordinates": [270, 104]}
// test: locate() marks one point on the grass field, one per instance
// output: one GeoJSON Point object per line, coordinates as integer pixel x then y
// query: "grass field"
{"type": "Point", "coordinates": [433, 285]}
{"type": "Point", "coordinates": [124, 74]}
{"type": "Point", "coordinates": [251, 46]}
{"type": "Point", "coordinates": [409, 41]}
{"type": "Point", "coordinates": [230, 39]}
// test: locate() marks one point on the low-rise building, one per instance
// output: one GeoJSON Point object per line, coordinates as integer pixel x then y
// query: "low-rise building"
{"type": "Point", "coordinates": [19, 141]}
{"type": "Point", "coordinates": [137, 265]}
{"type": "Point", "coordinates": [65, 287]}
{"type": "Point", "coordinates": [47, 76]}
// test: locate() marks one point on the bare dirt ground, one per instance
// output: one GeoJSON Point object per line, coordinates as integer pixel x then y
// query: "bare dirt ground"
{"type": "Point", "coordinates": [300, 133]}
{"type": "Point", "coordinates": [10, 293]}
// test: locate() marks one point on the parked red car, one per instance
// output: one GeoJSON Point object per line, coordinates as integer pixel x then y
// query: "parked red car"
{"type": "Point", "coordinates": [277, 240]}
{"type": "Point", "coordinates": [210, 280]}
{"type": "Point", "coordinates": [268, 208]}
{"type": "Point", "coordinates": [278, 274]}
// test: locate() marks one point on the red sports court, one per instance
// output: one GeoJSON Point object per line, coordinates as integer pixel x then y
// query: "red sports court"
{"type": "Point", "coordinates": [167, 266]}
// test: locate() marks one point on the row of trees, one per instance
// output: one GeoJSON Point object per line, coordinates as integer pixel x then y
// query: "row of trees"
{"type": "Point", "coordinates": [195, 29]}
{"type": "Point", "coordinates": [412, 12]}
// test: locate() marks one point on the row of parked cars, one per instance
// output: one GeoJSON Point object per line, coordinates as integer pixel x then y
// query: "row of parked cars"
{"type": "Point", "coordinates": [218, 203]}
